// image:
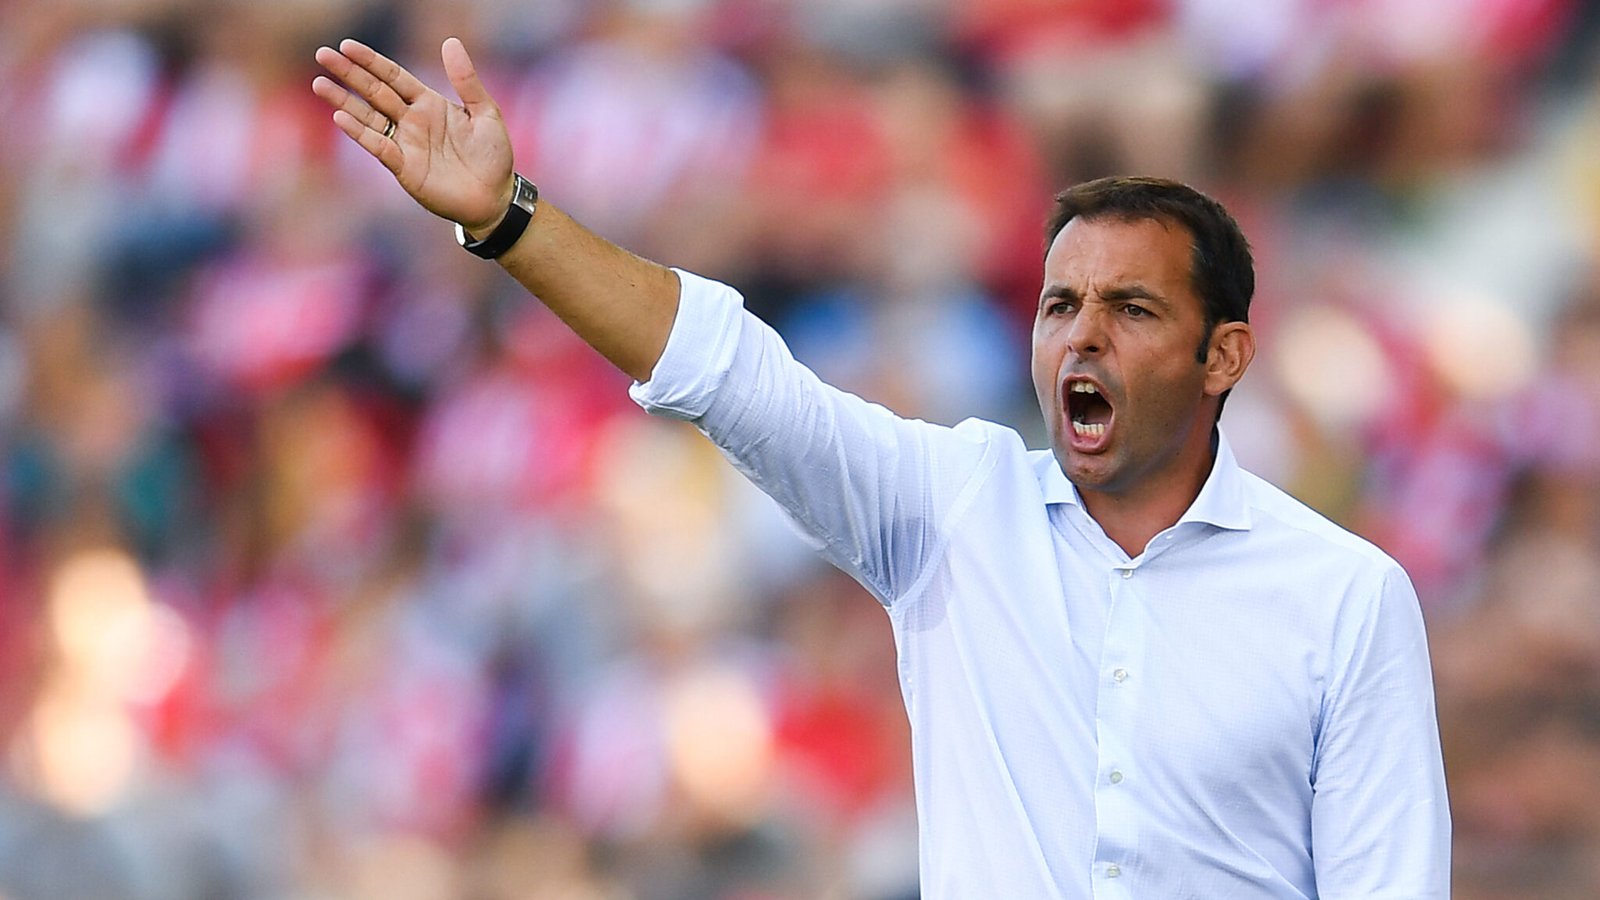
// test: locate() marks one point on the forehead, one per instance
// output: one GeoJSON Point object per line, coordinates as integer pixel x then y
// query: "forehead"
{"type": "Point", "coordinates": [1098, 253]}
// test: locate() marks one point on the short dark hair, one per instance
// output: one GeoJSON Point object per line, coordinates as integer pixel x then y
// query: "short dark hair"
{"type": "Point", "coordinates": [1221, 267]}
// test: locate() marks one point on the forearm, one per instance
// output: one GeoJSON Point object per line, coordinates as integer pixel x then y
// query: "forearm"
{"type": "Point", "coordinates": [456, 161]}
{"type": "Point", "coordinates": [618, 303]}
{"type": "Point", "coordinates": [859, 476]}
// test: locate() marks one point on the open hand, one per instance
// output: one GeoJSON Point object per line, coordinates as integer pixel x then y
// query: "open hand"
{"type": "Point", "coordinates": [454, 159]}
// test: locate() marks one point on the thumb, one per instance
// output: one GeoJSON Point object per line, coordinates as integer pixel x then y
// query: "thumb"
{"type": "Point", "coordinates": [464, 78]}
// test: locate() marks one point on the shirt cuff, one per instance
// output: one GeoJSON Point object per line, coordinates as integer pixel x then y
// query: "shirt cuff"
{"type": "Point", "coordinates": [699, 351]}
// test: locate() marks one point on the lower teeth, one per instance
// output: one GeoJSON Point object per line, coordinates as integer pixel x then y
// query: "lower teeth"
{"type": "Point", "coordinates": [1085, 430]}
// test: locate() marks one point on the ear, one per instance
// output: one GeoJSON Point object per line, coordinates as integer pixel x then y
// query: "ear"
{"type": "Point", "coordinates": [1232, 347]}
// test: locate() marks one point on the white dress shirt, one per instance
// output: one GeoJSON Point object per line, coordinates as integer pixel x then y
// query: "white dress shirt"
{"type": "Point", "coordinates": [1243, 710]}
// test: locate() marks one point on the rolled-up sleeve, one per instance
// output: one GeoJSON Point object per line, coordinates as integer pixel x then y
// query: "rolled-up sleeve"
{"type": "Point", "coordinates": [874, 489]}
{"type": "Point", "coordinates": [699, 351]}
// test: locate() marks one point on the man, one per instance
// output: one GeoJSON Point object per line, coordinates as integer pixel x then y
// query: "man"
{"type": "Point", "coordinates": [1131, 668]}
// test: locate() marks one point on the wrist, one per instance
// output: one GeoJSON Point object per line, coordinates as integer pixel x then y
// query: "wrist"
{"type": "Point", "coordinates": [502, 206]}
{"type": "Point", "coordinates": [479, 232]}
{"type": "Point", "coordinates": [488, 240]}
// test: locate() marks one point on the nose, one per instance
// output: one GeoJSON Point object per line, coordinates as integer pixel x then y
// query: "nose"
{"type": "Point", "coordinates": [1087, 335]}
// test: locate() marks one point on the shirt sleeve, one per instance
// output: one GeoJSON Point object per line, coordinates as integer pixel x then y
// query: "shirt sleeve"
{"type": "Point", "coordinates": [1380, 818]}
{"type": "Point", "coordinates": [874, 489]}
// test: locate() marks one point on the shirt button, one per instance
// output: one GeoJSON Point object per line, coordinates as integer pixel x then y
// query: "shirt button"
{"type": "Point", "coordinates": [1119, 675]}
{"type": "Point", "coordinates": [1116, 777]}
{"type": "Point", "coordinates": [1127, 573]}
{"type": "Point", "coordinates": [1113, 871]}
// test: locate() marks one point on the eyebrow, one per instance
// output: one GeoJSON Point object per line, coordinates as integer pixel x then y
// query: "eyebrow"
{"type": "Point", "coordinates": [1134, 291]}
{"type": "Point", "coordinates": [1131, 291]}
{"type": "Point", "coordinates": [1059, 292]}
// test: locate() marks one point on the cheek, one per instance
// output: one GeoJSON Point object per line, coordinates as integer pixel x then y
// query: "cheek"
{"type": "Point", "coordinates": [1171, 392]}
{"type": "Point", "coordinates": [1046, 362]}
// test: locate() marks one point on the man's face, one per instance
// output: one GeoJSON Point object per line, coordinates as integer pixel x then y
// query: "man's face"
{"type": "Point", "coordinates": [1128, 403]}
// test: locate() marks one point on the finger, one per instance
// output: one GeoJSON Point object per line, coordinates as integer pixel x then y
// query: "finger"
{"type": "Point", "coordinates": [464, 78]}
{"type": "Point", "coordinates": [371, 140]}
{"type": "Point", "coordinates": [376, 93]}
{"type": "Point", "coordinates": [387, 70]}
{"type": "Point", "coordinates": [337, 97]}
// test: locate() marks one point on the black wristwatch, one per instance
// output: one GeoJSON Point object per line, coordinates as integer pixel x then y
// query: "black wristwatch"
{"type": "Point", "coordinates": [524, 197]}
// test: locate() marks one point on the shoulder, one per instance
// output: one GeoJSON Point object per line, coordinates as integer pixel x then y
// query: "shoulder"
{"type": "Point", "coordinates": [1360, 597]}
{"type": "Point", "coordinates": [993, 438]}
{"type": "Point", "coordinates": [990, 457]}
{"type": "Point", "coordinates": [1290, 525]}
{"type": "Point", "coordinates": [1006, 447]}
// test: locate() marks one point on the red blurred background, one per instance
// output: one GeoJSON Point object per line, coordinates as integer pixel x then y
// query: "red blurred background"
{"type": "Point", "coordinates": [332, 567]}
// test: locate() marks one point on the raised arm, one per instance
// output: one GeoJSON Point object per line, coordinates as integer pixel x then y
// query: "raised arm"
{"type": "Point", "coordinates": [455, 160]}
{"type": "Point", "coordinates": [871, 487]}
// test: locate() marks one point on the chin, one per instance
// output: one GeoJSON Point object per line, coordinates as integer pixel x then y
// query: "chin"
{"type": "Point", "coordinates": [1098, 482]}
{"type": "Point", "coordinates": [1095, 473]}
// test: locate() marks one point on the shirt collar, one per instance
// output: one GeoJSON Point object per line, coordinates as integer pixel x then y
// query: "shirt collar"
{"type": "Point", "coordinates": [1221, 501]}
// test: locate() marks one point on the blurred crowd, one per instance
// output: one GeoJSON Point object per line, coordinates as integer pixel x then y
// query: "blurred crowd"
{"type": "Point", "coordinates": [331, 566]}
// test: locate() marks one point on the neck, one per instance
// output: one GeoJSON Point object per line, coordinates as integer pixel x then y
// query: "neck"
{"type": "Point", "coordinates": [1132, 517]}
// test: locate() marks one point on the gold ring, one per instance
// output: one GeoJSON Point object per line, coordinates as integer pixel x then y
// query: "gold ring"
{"type": "Point", "coordinates": [388, 130]}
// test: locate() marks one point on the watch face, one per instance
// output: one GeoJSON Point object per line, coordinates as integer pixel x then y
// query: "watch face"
{"type": "Point", "coordinates": [526, 194]}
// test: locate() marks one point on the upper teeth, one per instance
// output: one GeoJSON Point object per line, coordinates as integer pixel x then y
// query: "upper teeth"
{"type": "Point", "coordinates": [1082, 387]}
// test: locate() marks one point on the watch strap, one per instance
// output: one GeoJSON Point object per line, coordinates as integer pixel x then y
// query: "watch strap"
{"type": "Point", "coordinates": [524, 197]}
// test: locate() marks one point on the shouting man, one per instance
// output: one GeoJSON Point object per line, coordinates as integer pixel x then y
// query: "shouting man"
{"type": "Point", "coordinates": [1132, 669]}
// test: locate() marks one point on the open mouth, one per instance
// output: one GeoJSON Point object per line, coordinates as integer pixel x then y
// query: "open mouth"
{"type": "Point", "coordinates": [1088, 410]}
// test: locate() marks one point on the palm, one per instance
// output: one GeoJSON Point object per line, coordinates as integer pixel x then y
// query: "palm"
{"type": "Point", "coordinates": [454, 164]}
{"type": "Point", "coordinates": [453, 158]}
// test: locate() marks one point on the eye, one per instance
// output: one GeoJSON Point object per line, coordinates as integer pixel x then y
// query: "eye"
{"type": "Point", "coordinates": [1134, 310]}
{"type": "Point", "coordinates": [1059, 307]}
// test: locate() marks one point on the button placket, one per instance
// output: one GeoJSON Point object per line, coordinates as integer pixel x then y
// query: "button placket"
{"type": "Point", "coordinates": [1116, 719]}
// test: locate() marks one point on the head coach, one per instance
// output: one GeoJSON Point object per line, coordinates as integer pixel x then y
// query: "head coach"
{"type": "Point", "coordinates": [1132, 669]}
